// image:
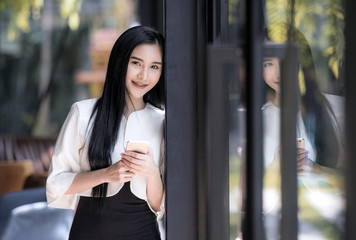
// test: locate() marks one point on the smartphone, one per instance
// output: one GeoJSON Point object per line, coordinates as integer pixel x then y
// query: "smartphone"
{"type": "Point", "coordinates": [137, 146]}
{"type": "Point", "coordinates": [300, 142]}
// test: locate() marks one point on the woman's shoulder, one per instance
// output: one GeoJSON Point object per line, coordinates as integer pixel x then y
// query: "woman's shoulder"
{"type": "Point", "coordinates": [336, 102]}
{"type": "Point", "coordinates": [85, 106]}
{"type": "Point", "coordinates": [269, 106]}
{"type": "Point", "coordinates": [83, 109]}
{"type": "Point", "coordinates": [337, 107]}
{"type": "Point", "coordinates": [155, 111]}
{"type": "Point", "coordinates": [86, 103]}
{"type": "Point", "coordinates": [266, 105]}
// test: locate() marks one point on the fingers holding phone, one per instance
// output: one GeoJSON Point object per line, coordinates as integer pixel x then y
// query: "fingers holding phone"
{"type": "Point", "coordinates": [118, 173]}
{"type": "Point", "coordinates": [303, 162]}
{"type": "Point", "coordinates": [139, 158]}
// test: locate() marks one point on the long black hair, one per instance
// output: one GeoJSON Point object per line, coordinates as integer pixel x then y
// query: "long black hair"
{"type": "Point", "coordinates": [109, 108]}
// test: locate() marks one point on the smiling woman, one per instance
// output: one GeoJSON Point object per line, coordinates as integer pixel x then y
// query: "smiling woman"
{"type": "Point", "coordinates": [272, 76]}
{"type": "Point", "coordinates": [120, 192]}
{"type": "Point", "coordinates": [318, 122]}
{"type": "Point", "coordinates": [143, 73]}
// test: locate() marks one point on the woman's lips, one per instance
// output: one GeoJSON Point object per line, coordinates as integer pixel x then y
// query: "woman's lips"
{"type": "Point", "coordinates": [139, 85]}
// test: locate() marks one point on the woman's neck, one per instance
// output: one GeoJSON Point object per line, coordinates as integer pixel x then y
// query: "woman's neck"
{"type": "Point", "coordinates": [133, 105]}
{"type": "Point", "coordinates": [275, 100]}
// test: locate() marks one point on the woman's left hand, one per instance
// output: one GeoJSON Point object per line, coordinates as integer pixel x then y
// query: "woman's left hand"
{"type": "Point", "coordinates": [141, 164]}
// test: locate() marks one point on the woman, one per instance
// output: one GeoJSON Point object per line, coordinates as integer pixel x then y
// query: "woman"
{"type": "Point", "coordinates": [120, 192]}
{"type": "Point", "coordinates": [271, 115]}
{"type": "Point", "coordinates": [317, 122]}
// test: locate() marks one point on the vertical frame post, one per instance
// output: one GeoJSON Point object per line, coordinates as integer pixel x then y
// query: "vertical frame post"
{"type": "Point", "coordinates": [181, 119]}
{"type": "Point", "coordinates": [350, 113]}
{"type": "Point", "coordinates": [253, 225]}
{"type": "Point", "coordinates": [289, 106]}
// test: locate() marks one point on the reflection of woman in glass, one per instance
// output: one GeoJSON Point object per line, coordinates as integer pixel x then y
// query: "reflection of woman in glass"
{"type": "Point", "coordinates": [271, 114]}
{"type": "Point", "coordinates": [317, 122]}
{"type": "Point", "coordinates": [120, 192]}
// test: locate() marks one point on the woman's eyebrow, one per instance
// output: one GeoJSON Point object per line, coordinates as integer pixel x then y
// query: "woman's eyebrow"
{"type": "Point", "coordinates": [139, 59]}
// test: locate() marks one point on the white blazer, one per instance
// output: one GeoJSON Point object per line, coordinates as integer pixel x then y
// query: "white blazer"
{"type": "Point", "coordinates": [271, 133]}
{"type": "Point", "coordinates": [70, 155]}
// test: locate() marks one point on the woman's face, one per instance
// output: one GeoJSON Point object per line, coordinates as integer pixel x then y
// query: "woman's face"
{"type": "Point", "coordinates": [271, 73]}
{"type": "Point", "coordinates": [144, 70]}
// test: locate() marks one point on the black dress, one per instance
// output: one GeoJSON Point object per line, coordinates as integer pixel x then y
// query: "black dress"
{"type": "Point", "coordinates": [122, 217]}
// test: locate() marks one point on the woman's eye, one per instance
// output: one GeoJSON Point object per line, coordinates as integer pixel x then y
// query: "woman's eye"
{"type": "Point", "coordinates": [155, 67]}
{"type": "Point", "coordinates": [136, 63]}
{"type": "Point", "coordinates": [267, 64]}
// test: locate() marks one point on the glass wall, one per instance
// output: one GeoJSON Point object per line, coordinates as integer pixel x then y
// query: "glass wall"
{"type": "Point", "coordinates": [54, 53]}
{"type": "Point", "coordinates": [302, 77]}
{"type": "Point", "coordinates": [315, 28]}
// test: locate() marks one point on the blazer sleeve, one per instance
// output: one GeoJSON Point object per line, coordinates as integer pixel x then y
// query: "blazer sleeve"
{"type": "Point", "coordinates": [65, 163]}
{"type": "Point", "coordinates": [162, 169]}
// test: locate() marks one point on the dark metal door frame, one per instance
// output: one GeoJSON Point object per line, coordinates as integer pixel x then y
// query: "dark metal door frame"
{"type": "Point", "coordinates": [253, 225]}
{"type": "Point", "coordinates": [184, 36]}
{"type": "Point", "coordinates": [350, 113]}
{"type": "Point", "coordinates": [181, 120]}
{"type": "Point", "coordinates": [219, 58]}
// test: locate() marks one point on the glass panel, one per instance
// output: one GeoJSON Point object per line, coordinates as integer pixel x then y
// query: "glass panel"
{"type": "Point", "coordinates": [237, 117]}
{"type": "Point", "coordinates": [236, 141]}
{"type": "Point", "coordinates": [271, 65]}
{"type": "Point", "coordinates": [52, 54]}
{"type": "Point", "coordinates": [317, 31]}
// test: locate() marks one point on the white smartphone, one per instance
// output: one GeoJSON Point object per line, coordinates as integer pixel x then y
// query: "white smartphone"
{"type": "Point", "coordinates": [300, 142]}
{"type": "Point", "coordinates": [137, 146]}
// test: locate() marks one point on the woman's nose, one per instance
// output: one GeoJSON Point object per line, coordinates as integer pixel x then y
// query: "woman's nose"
{"type": "Point", "coordinates": [143, 74]}
{"type": "Point", "coordinates": [278, 70]}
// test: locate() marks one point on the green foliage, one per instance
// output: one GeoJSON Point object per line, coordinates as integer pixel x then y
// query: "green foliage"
{"type": "Point", "coordinates": [322, 23]}
{"type": "Point", "coordinates": [21, 12]}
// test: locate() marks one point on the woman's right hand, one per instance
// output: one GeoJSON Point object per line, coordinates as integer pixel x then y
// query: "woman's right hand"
{"type": "Point", "coordinates": [118, 173]}
{"type": "Point", "coordinates": [303, 162]}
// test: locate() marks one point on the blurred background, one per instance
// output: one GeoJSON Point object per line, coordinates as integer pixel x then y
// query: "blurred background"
{"type": "Point", "coordinates": [52, 54]}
